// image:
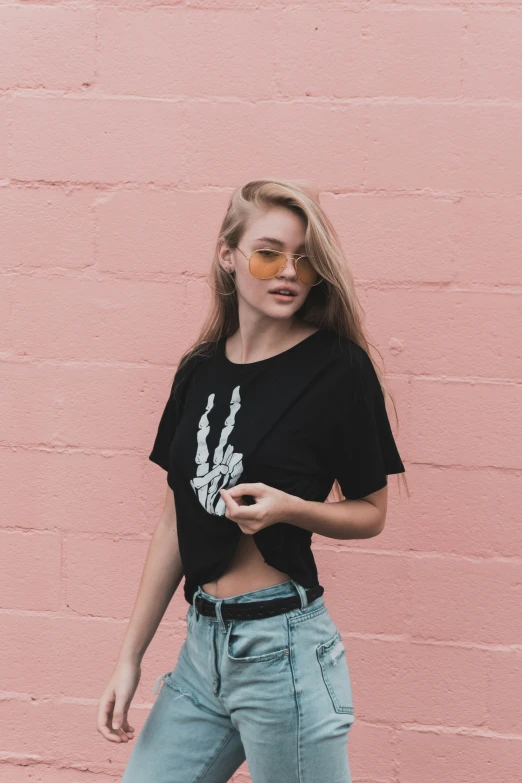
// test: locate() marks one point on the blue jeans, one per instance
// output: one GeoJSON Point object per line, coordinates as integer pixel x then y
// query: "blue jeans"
{"type": "Point", "coordinates": [275, 691]}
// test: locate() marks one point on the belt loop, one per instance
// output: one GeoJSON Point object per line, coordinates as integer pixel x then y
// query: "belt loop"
{"type": "Point", "coordinates": [302, 593]}
{"type": "Point", "coordinates": [159, 678]}
{"type": "Point", "coordinates": [196, 593]}
{"type": "Point", "coordinates": [219, 615]}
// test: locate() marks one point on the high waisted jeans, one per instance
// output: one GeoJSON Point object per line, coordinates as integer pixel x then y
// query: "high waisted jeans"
{"type": "Point", "coordinates": [275, 691]}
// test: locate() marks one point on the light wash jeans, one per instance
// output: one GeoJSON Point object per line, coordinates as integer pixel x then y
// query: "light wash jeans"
{"type": "Point", "coordinates": [275, 691]}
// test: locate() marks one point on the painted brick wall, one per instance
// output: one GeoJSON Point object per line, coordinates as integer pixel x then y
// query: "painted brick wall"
{"type": "Point", "coordinates": [123, 128]}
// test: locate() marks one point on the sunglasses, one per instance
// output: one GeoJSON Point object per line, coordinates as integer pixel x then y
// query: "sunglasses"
{"type": "Point", "coordinates": [267, 263]}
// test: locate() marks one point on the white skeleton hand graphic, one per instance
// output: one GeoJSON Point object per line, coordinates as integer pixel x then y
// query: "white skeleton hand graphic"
{"type": "Point", "coordinates": [227, 467]}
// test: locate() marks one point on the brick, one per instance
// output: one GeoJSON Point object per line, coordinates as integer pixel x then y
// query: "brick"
{"type": "Point", "coordinates": [467, 423]}
{"type": "Point", "coordinates": [413, 146]}
{"type": "Point", "coordinates": [385, 236]}
{"type": "Point", "coordinates": [46, 656]}
{"type": "Point", "coordinates": [30, 570]}
{"type": "Point", "coordinates": [489, 235]}
{"type": "Point", "coordinates": [47, 47]}
{"type": "Point", "coordinates": [353, 54]}
{"type": "Point", "coordinates": [503, 691]}
{"type": "Point", "coordinates": [4, 143]}
{"type": "Point", "coordinates": [185, 58]}
{"type": "Point", "coordinates": [94, 566]}
{"type": "Point", "coordinates": [492, 64]}
{"type": "Point", "coordinates": [76, 490]}
{"type": "Point", "coordinates": [366, 592]}
{"type": "Point", "coordinates": [31, 394]}
{"type": "Point", "coordinates": [87, 418]}
{"type": "Point", "coordinates": [388, 676]}
{"type": "Point", "coordinates": [109, 320]}
{"type": "Point", "coordinates": [49, 730]}
{"type": "Point", "coordinates": [456, 511]}
{"type": "Point", "coordinates": [333, 138]}
{"type": "Point", "coordinates": [435, 755]}
{"type": "Point", "coordinates": [461, 600]}
{"type": "Point", "coordinates": [458, 333]}
{"type": "Point", "coordinates": [46, 228]}
{"type": "Point", "coordinates": [489, 142]}
{"type": "Point", "coordinates": [120, 140]}
{"type": "Point", "coordinates": [27, 772]}
{"type": "Point", "coordinates": [371, 751]}
{"type": "Point", "coordinates": [145, 232]}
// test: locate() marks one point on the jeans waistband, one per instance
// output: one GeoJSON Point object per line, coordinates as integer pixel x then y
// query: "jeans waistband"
{"type": "Point", "coordinates": [281, 590]}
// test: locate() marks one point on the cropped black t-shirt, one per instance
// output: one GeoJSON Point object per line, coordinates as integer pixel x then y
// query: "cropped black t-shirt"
{"type": "Point", "coordinates": [295, 421]}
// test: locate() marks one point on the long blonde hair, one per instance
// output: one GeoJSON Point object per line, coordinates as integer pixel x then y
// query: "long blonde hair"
{"type": "Point", "coordinates": [333, 305]}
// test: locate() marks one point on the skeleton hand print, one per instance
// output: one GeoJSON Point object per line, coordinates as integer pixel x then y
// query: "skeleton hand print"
{"type": "Point", "coordinates": [227, 467]}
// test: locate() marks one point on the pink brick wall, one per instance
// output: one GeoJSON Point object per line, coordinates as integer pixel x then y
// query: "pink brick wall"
{"type": "Point", "coordinates": [123, 128]}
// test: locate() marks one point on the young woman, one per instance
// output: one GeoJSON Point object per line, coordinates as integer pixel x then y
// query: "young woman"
{"type": "Point", "coordinates": [276, 404]}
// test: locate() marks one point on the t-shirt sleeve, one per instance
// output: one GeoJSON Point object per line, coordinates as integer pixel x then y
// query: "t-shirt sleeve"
{"type": "Point", "coordinates": [160, 453]}
{"type": "Point", "coordinates": [367, 451]}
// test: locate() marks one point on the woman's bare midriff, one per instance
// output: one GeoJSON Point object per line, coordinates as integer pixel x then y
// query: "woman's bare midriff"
{"type": "Point", "coordinates": [246, 572]}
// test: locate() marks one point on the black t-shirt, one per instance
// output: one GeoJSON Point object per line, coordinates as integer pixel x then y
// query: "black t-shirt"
{"type": "Point", "coordinates": [295, 421]}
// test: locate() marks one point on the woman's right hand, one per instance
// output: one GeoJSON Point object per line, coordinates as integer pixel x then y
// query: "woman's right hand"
{"type": "Point", "coordinates": [115, 702]}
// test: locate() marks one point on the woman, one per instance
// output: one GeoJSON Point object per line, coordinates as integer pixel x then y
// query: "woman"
{"type": "Point", "coordinates": [277, 402]}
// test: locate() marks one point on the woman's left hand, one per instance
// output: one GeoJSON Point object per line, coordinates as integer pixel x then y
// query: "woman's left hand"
{"type": "Point", "coordinates": [271, 505]}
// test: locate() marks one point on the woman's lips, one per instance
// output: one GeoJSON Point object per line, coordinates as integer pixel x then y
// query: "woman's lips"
{"type": "Point", "coordinates": [283, 297]}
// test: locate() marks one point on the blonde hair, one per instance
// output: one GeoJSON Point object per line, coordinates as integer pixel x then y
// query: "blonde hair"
{"type": "Point", "coordinates": [333, 305]}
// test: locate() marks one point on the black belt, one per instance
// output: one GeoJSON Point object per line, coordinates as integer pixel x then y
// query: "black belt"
{"type": "Point", "coordinates": [254, 610]}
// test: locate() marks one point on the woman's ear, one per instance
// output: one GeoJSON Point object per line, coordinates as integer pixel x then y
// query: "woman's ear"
{"type": "Point", "coordinates": [226, 259]}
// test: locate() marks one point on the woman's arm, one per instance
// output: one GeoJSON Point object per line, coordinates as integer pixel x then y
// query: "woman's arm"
{"type": "Point", "coordinates": [161, 575]}
{"type": "Point", "coordinates": [363, 518]}
{"type": "Point", "coordinates": [344, 519]}
{"type": "Point", "coordinates": [160, 578]}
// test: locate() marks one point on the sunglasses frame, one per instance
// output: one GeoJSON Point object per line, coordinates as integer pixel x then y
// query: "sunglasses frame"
{"type": "Point", "coordinates": [287, 255]}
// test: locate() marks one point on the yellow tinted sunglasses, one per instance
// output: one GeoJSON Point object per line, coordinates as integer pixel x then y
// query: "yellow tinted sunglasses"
{"type": "Point", "coordinates": [267, 263]}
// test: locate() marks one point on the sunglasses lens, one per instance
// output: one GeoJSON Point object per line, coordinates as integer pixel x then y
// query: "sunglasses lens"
{"type": "Point", "coordinates": [266, 263]}
{"type": "Point", "coordinates": [305, 271]}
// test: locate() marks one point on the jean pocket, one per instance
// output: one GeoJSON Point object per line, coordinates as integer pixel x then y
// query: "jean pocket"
{"type": "Point", "coordinates": [189, 617]}
{"type": "Point", "coordinates": [251, 641]}
{"type": "Point", "coordinates": [334, 667]}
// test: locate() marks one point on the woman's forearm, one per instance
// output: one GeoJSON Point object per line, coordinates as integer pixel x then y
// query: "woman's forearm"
{"type": "Point", "coordinates": [343, 520]}
{"type": "Point", "coordinates": [160, 578]}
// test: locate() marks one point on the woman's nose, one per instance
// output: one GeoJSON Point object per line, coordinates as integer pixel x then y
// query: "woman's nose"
{"type": "Point", "coordinates": [289, 267]}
